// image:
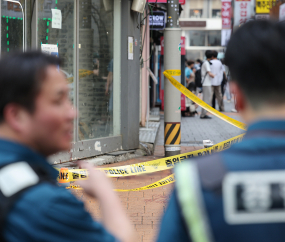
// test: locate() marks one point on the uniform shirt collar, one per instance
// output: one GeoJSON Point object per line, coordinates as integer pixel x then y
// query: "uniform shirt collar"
{"type": "Point", "coordinates": [269, 125]}
{"type": "Point", "coordinates": [21, 152]}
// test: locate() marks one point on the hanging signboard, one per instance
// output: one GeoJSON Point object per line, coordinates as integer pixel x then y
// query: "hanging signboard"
{"type": "Point", "coordinates": [263, 6]}
{"type": "Point", "coordinates": [282, 12]}
{"type": "Point", "coordinates": [226, 14]}
{"type": "Point", "coordinates": [242, 11]}
{"type": "Point", "coordinates": [226, 35]}
{"type": "Point", "coordinates": [157, 20]}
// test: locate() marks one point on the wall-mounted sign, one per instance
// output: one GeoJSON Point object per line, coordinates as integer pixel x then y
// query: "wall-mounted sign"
{"type": "Point", "coordinates": [263, 6]}
{"type": "Point", "coordinates": [197, 24]}
{"type": "Point", "coordinates": [157, 20]}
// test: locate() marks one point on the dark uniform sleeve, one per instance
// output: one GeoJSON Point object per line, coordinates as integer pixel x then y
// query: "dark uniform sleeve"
{"type": "Point", "coordinates": [65, 219]}
{"type": "Point", "coordinates": [47, 213]}
{"type": "Point", "coordinates": [172, 226]}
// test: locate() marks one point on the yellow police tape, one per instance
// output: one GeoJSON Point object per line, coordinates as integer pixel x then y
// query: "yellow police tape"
{"type": "Point", "coordinates": [154, 165]}
{"type": "Point", "coordinates": [162, 182]}
{"type": "Point", "coordinates": [169, 162]}
{"type": "Point", "coordinates": [169, 73]}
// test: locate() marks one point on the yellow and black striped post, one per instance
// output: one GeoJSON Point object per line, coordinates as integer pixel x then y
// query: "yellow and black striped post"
{"type": "Point", "coordinates": [172, 138]}
{"type": "Point", "coordinates": [172, 134]}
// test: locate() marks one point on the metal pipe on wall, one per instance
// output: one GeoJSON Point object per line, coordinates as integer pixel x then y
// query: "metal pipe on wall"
{"type": "Point", "coordinates": [145, 74]}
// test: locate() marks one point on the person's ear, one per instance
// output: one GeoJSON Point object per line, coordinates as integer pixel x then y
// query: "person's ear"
{"type": "Point", "coordinates": [16, 117]}
{"type": "Point", "coordinates": [240, 101]}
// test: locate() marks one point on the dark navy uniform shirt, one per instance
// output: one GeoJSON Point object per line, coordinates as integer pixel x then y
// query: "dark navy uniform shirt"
{"type": "Point", "coordinates": [262, 149]}
{"type": "Point", "coordinates": [47, 212]}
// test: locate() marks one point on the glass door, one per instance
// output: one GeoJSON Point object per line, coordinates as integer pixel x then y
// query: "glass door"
{"type": "Point", "coordinates": [81, 32]}
{"type": "Point", "coordinates": [57, 36]}
{"type": "Point", "coordinates": [95, 84]}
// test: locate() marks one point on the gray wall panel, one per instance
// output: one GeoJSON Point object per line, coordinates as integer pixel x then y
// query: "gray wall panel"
{"type": "Point", "coordinates": [130, 77]}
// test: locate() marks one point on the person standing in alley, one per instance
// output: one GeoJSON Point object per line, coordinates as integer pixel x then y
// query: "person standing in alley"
{"type": "Point", "coordinates": [218, 70]}
{"type": "Point", "coordinates": [207, 76]}
{"type": "Point", "coordinates": [189, 73]}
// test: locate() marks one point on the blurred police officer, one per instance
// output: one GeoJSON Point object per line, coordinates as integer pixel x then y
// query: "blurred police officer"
{"type": "Point", "coordinates": [36, 120]}
{"type": "Point", "coordinates": [239, 195]}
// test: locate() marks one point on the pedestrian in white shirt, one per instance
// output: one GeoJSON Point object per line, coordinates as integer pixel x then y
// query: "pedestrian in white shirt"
{"type": "Point", "coordinates": [218, 71]}
{"type": "Point", "coordinates": [207, 75]}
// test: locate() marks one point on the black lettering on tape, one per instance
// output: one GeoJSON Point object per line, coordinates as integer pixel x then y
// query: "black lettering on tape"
{"type": "Point", "coordinates": [75, 175]}
{"type": "Point", "coordinates": [182, 158]}
{"type": "Point", "coordinates": [227, 145]}
{"type": "Point", "coordinates": [168, 163]}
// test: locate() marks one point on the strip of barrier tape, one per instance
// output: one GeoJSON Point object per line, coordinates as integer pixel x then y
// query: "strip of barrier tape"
{"type": "Point", "coordinates": [169, 73]}
{"type": "Point", "coordinates": [154, 165]}
{"type": "Point", "coordinates": [169, 162]}
{"type": "Point", "coordinates": [162, 182]}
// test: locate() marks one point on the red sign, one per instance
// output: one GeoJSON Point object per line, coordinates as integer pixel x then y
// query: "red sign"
{"type": "Point", "coordinates": [182, 2]}
{"type": "Point", "coordinates": [183, 51]}
{"type": "Point", "coordinates": [226, 14]}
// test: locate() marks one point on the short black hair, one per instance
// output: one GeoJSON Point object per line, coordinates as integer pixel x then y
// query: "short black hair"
{"type": "Point", "coordinates": [215, 53]}
{"type": "Point", "coordinates": [190, 62]}
{"type": "Point", "coordinates": [21, 76]}
{"type": "Point", "coordinates": [255, 57]}
{"type": "Point", "coordinates": [209, 54]}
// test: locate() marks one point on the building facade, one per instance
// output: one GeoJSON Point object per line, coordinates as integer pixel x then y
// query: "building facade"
{"type": "Point", "coordinates": [201, 24]}
{"type": "Point", "coordinates": [93, 39]}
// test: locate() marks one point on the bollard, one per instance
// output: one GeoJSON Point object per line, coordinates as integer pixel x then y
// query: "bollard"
{"type": "Point", "coordinates": [64, 180]}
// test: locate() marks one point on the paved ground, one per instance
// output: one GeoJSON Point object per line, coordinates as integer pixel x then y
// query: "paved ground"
{"type": "Point", "coordinates": [145, 208]}
{"type": "Point", "coordinates": [194, 130]}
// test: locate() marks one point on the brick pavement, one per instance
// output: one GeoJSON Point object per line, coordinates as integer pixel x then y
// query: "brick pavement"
{"type": "Point", "coordinates": [145, 208]}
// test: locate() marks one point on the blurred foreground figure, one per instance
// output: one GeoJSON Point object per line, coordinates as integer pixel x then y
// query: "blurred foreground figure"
{"type": "Point", "coordinates": [239, 195]}
{"type": "Point", "coordinates": [36, 120]}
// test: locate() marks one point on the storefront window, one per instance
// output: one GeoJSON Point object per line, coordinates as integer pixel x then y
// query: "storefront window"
{"type": "Point", "coordinates": [197, 37]}
{"type": "Point", "coordinates": [214, 38]}
{"type": "Point", "coordinates": [11, 27]}
{"type": "Point", "coordinates": [198, 9]}
{"type": "Point", "coordinates": [96, 65]}
{"type": "Point", "coordinates": [196, 13]}
{"type": "Point", "coordinates": [205, 38]}
{"type": "Point", "coordinates": [90, 74]}
{"type": "Point", "coordinates": [204, 9]}
{"type": "Point", "coordinates": [216, 13]}
{"type": "Point", "coordinates": [57, 34]}
{"type": "Point", "coordinates": [215, 6]}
